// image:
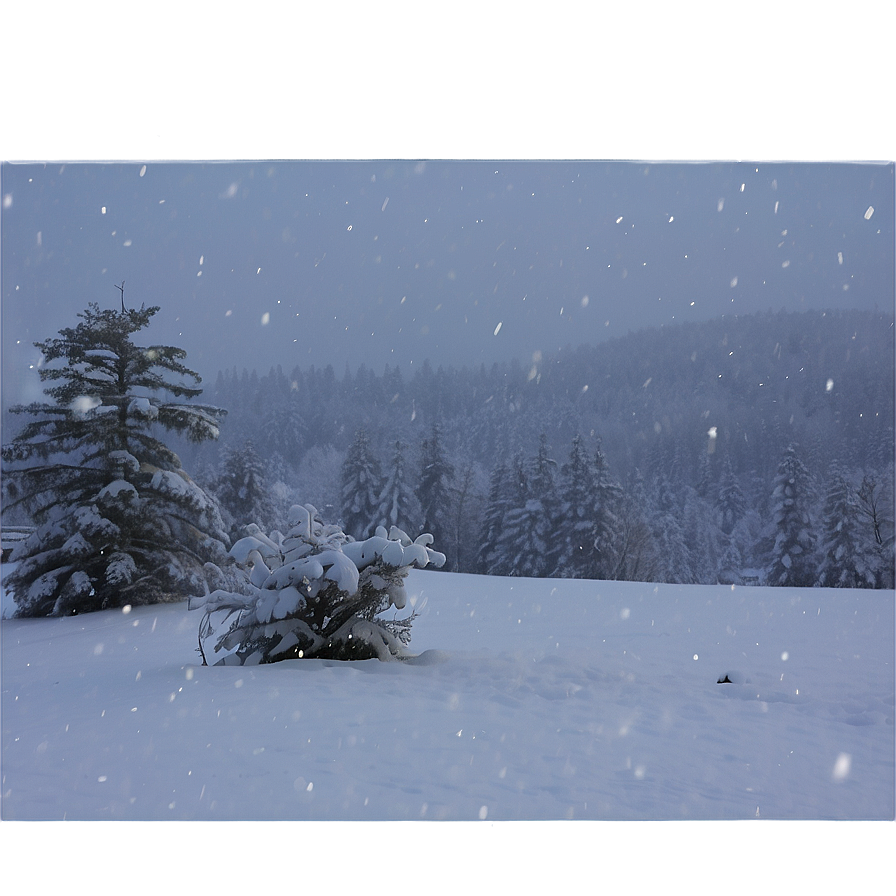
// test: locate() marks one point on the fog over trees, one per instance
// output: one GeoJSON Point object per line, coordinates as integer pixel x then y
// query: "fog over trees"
{"type": "Point", "coordinates": [755, 448]}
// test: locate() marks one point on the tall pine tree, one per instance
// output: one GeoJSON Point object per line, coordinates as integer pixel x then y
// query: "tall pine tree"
{"type": "Point", "coordinates": [397, 504]}
{"type": "Point", "coordinates": [730, 503]}
{"type": "Point", "coordinates": [498, 505]}
{"type": "Point", "coordinates": [118, 520]}
{"type": "Point", "coordinates": [434, 488]}
{"type": "Point", "coordinates": [608, 523]}
{"type": "Point", "coordinates": [362, 485]}
{"type": "Point", "coordinates": [846, 561]}
{"type": "Point", "coordinates": [577, 527]}
{"type": "Point", "coordinates": [791, 559]}
{"type": "Point", "coordinates": [242, 487]}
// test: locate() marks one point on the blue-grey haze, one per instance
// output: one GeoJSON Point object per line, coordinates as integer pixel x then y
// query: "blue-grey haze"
{"type": "Point", "coordinates": [458, 262]}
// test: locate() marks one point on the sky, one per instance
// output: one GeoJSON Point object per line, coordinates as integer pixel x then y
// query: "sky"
{"type": "Point", "coordinates": [377, 262]}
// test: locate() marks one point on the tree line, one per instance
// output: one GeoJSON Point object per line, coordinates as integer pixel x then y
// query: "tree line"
{"type": "Point", "coordinates": [676, 436]}
{"type": "Point", "coordinates": [746, 449]}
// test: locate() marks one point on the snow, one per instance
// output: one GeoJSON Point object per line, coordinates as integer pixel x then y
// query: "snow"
{"type": "Point", "coordinates": [114, 489]}
{"type": "Point", "coordinates": [531, 699]}
{"type": "Point", "coordinates": [142, 407]}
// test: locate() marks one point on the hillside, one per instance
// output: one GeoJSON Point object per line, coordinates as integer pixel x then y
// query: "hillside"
{"type": "Point", "coordinates": [532, 700]}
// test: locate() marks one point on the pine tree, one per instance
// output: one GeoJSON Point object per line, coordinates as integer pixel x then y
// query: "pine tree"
{"type": "Point", "coordinates": [846, 562]}
{"type": "Point", "coordinates": [637, 560]}
{"type": "Point", "coordinates": [576, 514]}
{"type": "Point", "coordinates": [497, 507]}
{"type": "Point", "coordinates": [705, 540]}
{"type": "Point", "coordinates": [669, 537]}
{"type": "Point", "coordinates": [118, 520]}
{"type": "Point", "coordinates": [283, 429]}
{"type": "Point", "coordinates": [538, 547]}
{"type": "Point", "coordinates": [874, 505]}
{"type": "Point", "coordinates": [608, 525]}
{"type": "Point", "coordinates": [397, 502]}
{"type": "Point", "coordinates": [791, 559]}
{"type": "Point", "coordinates": [314, 593]}
{"type": "Point", "coordinates": [361, 487]}
{"type": "Point", "coordinates": [242, 487]}
{"type": "Point", "coordinates": [434, 488]}
{"type": "Point", "coordinates": [512, 551]}
{"type": "Point", "coordinates": [731, 504]}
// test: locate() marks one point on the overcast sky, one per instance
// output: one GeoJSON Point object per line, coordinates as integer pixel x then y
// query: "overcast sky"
{"type": "Point", "coordinates": [300, 263]}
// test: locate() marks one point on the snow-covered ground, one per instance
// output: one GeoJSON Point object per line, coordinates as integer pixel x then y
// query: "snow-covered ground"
{"type": "Point", "coordinates": [531, 700]}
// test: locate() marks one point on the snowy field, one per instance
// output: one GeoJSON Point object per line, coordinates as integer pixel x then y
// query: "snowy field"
{"type": "Point", "coordinates": [531, 700]}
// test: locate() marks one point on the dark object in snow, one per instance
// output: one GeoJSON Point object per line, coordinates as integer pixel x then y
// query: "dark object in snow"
{"type": "Point", "coordinates": [733, 676]}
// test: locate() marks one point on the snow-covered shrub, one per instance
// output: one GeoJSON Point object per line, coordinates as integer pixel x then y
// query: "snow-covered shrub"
{"type": "Point", "coordinates": [313, 593]}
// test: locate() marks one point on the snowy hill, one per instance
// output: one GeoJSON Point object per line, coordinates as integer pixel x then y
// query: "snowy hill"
{"type": "Point", "coordinates": [530, 700]}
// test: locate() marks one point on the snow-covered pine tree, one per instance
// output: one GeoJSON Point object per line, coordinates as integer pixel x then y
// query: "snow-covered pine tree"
{"type": "Point", "coordinates": [845, 562]}
{"type": "Point", "coordinates": [283, 428]}
{"type": "Point", "coordinates": [315, 593]}
{"type": "Point", "coordinates": [608, 524]}
{"type": "Point", "coordinates": [791, 556]}
{"type": "Point", "coordinates": [242, 487]}
{"type": "Point", "coordinates": [535, 553]}
{"type": "Point", "coordinates": [397, 504]}
{"type": "Point", "coordinates": [637, 560]}
{"type": "Point", "coordinates": [874, 504]}
{"type": "Point", "coordinates": [576, 513]}
{"type": "Point", "coordinates": [434, 488]}
{"type": "Point", "coordinates": [511, 558]}
{"type": "Point", "coordinates": [362, 485]}
{"type": "Point", "coordinates": [497, 506]}
{"type": "Point", "coordinates": [668, 535]}
{"type": "Point", "coordinates": [730, 503]}
{"type": "Point", "coordinates": [705, 540]}
{"type": "Point", "coordinates": [118, 520]}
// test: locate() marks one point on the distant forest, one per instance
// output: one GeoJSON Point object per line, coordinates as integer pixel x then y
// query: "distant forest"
{"type": "Point", "coordinates": [690, 424]}
{"type": "Point", "coordinates": [741, 450]}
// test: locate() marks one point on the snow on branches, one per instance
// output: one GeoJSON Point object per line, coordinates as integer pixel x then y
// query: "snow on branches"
{"type": "Point", "coordinates": [118, 520]}
{"type": "Point", "coordinates": [314, 593]}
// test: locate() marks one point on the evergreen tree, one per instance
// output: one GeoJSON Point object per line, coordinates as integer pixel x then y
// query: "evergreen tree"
{"type": "Point", "coordinates": [576, 515]}
{"type": "Point", "coordinates": [538, 546]}
{"type": "Point", "coordinates": [361, 488]}
{"type": "Point", "coordinates": [497, 507]}
{"type": "Point", "coordinates": [313, 593]}
{"type": "Point", "coordinates": [118, 520]}
{"type": "Point", "coordinates": [705, 540]}
{"type": "Point", "coordinates": [874, 504]}
{"type": "Point", "coordinates": [669, 537]}
{"type": "Point", "coordinates": [637, 559]}
{"type": "Point", "coordinates": [844, 564]}
{"type": "Point", "coordinates": [434, 488]}
{"type": "Point", "coordinates": [705, 471]}
{"type": "Point", "coordinates": [791, 559]}
{"type": "Point", "coordinates": [397, 504]}
{"type": "Point", "coordinates": [512, 558]}
{"type": "Point", "coordinates": [730, 504]}
{"type": "Point", "coordinates": [608, 524]}
{"type": "Point", "coordinates": [242, 487]}
{"type": "Point", "coordinates": [283, 429]}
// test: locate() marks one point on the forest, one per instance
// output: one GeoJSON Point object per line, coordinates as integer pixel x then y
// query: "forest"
{"type": "Point", "coordinates": [750, 449]}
